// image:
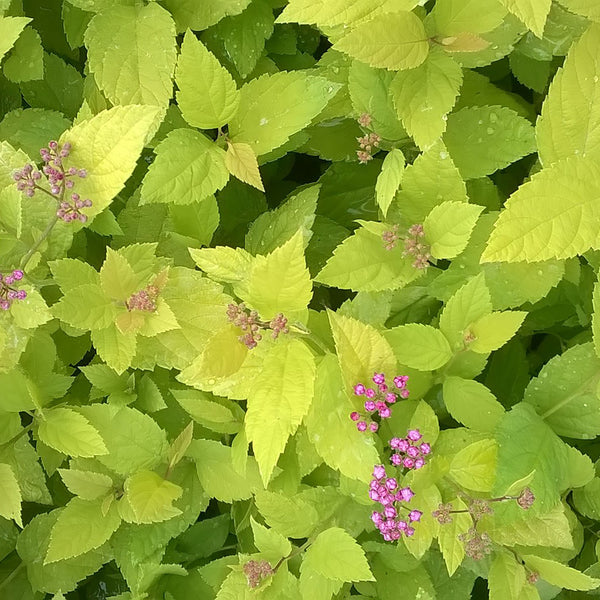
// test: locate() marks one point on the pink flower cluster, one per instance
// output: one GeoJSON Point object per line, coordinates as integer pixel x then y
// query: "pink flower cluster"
{"type": "Point", "coordinates": [143, 300]}
{"type": "Point", "coordinates": [256, 571]}
{"type": "Point", "coordinates": [368, 141]}
{"type": "Point", "coordinates": [407, 453]}
{"type": "Point", "coordinates": [414, 246]}
{"type": "Point", "coordinates": [59, 181]}
{"type": "Point", "coordinates": [7, 292]}
{"type": "Point", "coordinates": [249, 322]}
{"type": "Point", "coordinates": [378, 400]}
{"type": "Point", "coordinates": [386, 491]}
{"type": "Point", "coordinates": [390, 238]}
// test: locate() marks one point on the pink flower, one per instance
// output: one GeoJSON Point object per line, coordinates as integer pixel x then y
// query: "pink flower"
{"type": "Point", "coordinates": [379, 472]}
{"type": "Point", "coordinates": [415, 515]}
{"type": "Point", "coordinates": [370, 393]}
{"type": "Point", "coordinates": [390, 397]}
{"type": "Point", "coordinates": [385, 413]}
{"type": "Point", "coordinates": [414, 435]}
{"type": "Point", "coordinates": [370, 405]}
{"type": "Point", "coordinates": [405, 494]}
{"type": "Point", "coordinates": [390, 512]}
{"type": "Point", "coordinates": [373, 426]}
{"type": "Point", "coordinates": [354, 416]}
{"type": "Point", "coordinates": [396, 460]}
{"type": "Point", "coordinates": [425, 448]}
{"type": "Point", "coordinates": [361, 426]}
{"type": "Point", "coordinates": [379, 378]}
{"type": "Point", "coordinates": [391, 484]}
{"type": "Point", "coordinates": [359, 389]}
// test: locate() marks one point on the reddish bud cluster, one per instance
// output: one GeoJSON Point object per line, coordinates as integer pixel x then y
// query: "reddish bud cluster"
{"type": "Point", "coordinates": [407, 453]}
{"type": "Point", "coordinates": [477, 545]}
{"type": "Point", "coordinates": [249, 322]}
{"type": "Point", "coordinates": [526, 499]}
{"type": "Point", "coordinates": [256, 571]}
{"type": "Point", "coordinates": [8, 294]}
{"type": "Point", "coordinates": [144, 299]}
{"type": "Point", "coordinates": [367, 143]}
{"type": "Point", "coordinates": [390, 237]}
{"type": "Point", "coordinates": [414, 246]}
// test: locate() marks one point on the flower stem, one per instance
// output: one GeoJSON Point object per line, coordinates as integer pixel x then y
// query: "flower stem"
{"type": "Point", "coordinates": [27, 257]}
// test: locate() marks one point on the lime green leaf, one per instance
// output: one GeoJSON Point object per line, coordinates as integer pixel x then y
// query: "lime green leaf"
{"type": "Point", "coordinates": [596, 318]}
{"type": "Point", "coordinates": [26, 61]}
{"type": "Point", "coordinates": [419, 346]}
{"type": "Point", "coordinates": [180, 444]}
{"type": "Point", "coordinates": [223, 263]}
{"type": "Point", "coordinates": [281, 395]}
{"type": "Point", "coordinates": [362, 263]}
{"type": "Point", "coordinates": [108, 146]}
{"type": "Point", "coordinates": [117, 278]}
{"type": "Point", "coordinates": [132, 54]}
{"type": "Point", "coordinates": [290, 516]}
{"type": "Point", "coordinates": [452, 548]}
{"type": "Point", "coordinates": [201, 14]}
{"type": "Point", "coordinates": [554, 215]}
{"type": "Point", "coordinates": [391, 41]}
{"type": "Point", "coordinates": [10, 503]}
{"type": "Point", "coordinates": [587, 8]}
{"type": "Point", "coordinates": [560, 575]}
{"type": "Point", "coordinates": [219, 479]}
{"type": "Point", "coordinates": [389, 179]}
{"type": "Point", "coordinates": [492, 331]}
{"type": "Point", "coordinates": [564, 394]}
{"type": "Point", "coordinates": [71, 433]}
{"type": "Point", "coordinates": [331, 431]}
{"type": "Point", "coordinates": [336, 555]}
{"type": "Point", "coordinates": [464, 42]}
{"type": "Point", "coordinates": [532, 12]}
{"type": "Point", "coordinates": [472, 404]}
{"type": "Point", "coordinates": [274, 107]}
{"type": "Point", "coordinates": [86, 307]}
{"type": "Point", "coordinates": [88, 485]}
{"type": "Point", "coordinates": [424, 95]}
{"type": "Point", "coordinates": [69, 273]}
{"type": "Point", "coordinates": [568, 124]}
{"type": "Point", "coordinates": [453, 17]}
{"type": "Point", "coordinates": [506, 578]}
{"type": "Point", "coordinates": [448, 227]}
{"type": "Point", "coordinates": [279, 282]}
{"type": "Point", "coordinates": [207, 96]}
{"type": "Point", "coordinates": [483, 139]}
{"type": "Point", "coordinates": [269, 542]}
{"type": "Point", "coordinates": [474, 467]}
{"type": "Point", "coordinates": [361, 350]}
{"type": "Point", "coordinates": [31, 312]}
{"type": "Point", "coordinates": [189, 167]}
{"type": "Point", "coordinates": [241, 162]}
{"type": "Point", "coordinates": [88, 529]}
{"type": "Point", "coordinates": [116, 349]}
{"type": "Point", "coordinates": [10, 30]}
{"type": "Point", "coordinates": [151, 497]}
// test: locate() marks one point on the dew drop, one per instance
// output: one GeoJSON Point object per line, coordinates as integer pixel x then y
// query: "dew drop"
{"type": "Point", "coordinates": [443, 155]}
{"type": "Point", "coordinates": [595, 78]}
{"type": "Point", "coordinates": [263, 121]}
{"type": "Point", "coordinates": [490, 130]}
{"type": "Point", "coordinates": [493, 117]}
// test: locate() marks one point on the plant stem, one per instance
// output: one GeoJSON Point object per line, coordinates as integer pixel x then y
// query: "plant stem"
{"type": "Point", "coordinates": [27, 257]}
{"type": "Point", "coordinates": [14, 573]}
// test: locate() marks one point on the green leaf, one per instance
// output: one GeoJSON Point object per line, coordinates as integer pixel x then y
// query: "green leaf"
{"type": "Point", "coordinates": [281, 395]}
{"type": "Point", "coordinates": [423, 96]}
{"type": "Point", "coordinates": [207, 96]}
{"type": "Point", "coordinates": [241, 162]}
{"type": "Point", "coordinates": [89, 528]}
{"type": "Point", "coordinates": [10, 30]}
{"type": "Point", "coordinates": [452, 548]}
{"type": "Point", "coordinates": [419, 346]}
{"type": "Point", "coordinates": [474, 467]}
{"type": "Point", "coordinates": [362, 263]}
{"type": "Point", "coordinates": [220, 480]}
{"type": "Point", "coordinates": [483, 139]}
{"type": "Point", "coordinates": [201, 14]}
{"type": "Point", "coordinates": [565, 395]}
{"type": "Point", "coordinates": [448, 227]}
{"type": "Point", "coordinates": [532, 12]}
{"type": "Point", "coordinates": [336, 555]}
{"type": "Point", "coordinates": [10, 503]}
{"type": "Point", "coordinates": [31, 312]}
{"type": "Point", "coordinates": [189, 167]}
{"type": "Point", "coordinates": [117, 278]}
{"type": "Point", "coordinates": [389, 179]}
{"type": "Point", "coordinates": [86, 307]}
{"type": "Point", "coordinates": [492, 331]}
{"type": "Point", "coordinates": [280, 281]}
{"type": "Point", "coordinates": [506, 578]}
{"type": "Point", "coordinates": [331, 431]}
{"type": "Point", "coordinates": [587, 8]}
{"type": "Point", "coordinates": [116, 349]}
{"type": "Point", "coordinates": [26, 61]}
{"type": "Point", "coordinates": [180, 444]}
{"type": "Point", "coordinates": [269, 543]}
{"type": "Point", "coordinates": [391, 41]}
{"type": "Point", "coordinates": [274, 107]}
{"type": "Point", "coordinates": [290, 516]}
{"type": "Point", "coordinates": [571, 110]}
{"type": "Point", "coordinates": [88, 485]}
{"type": "Point", "coordinates": [223, 263]}
{"type": "Point", "coordinates": [560, 575]}
{"type": "Point", "coordinates": [452, 17]}
{"type": "Point", "coordinates": [554, 215]}
{"type": "Point", "coordinates": [151, 497]}
{"type": "Point", "coordinates": [472, 404]}
{"type": "Point", "coordinates": [71, 433]}
{"type": "Point", "coordinates": [108, 146]}
{"type": "Point", "coordinates": [132, 54]}
{"type": "Point", "coordinates": [361, 350]}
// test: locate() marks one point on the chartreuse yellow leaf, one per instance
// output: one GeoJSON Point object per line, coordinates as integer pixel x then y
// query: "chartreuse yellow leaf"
{"type": "Point", "coordinates": [207, 96]}
{"type": "Point", "coordinates": [88, 485]}
{"type": "Point", "coordinates": [10, 29]}
{"type": "Point", "coordinates": [270, 542]}
{"type": "Point", "coordinates": [280, 396]}
{"type": "Point", "coordinates": [116, 349]}
{"type": "Point", "coordinates": [223, 263]}
{"type": "Point", "coordinates": [531, 12]}
{"type": "Point", "coordinates": [70, 432]}
{"type": "Point", "coordinates": [424, 95]}
{"type": "Point", "coordinates": [241, 162]}
{"type": "Point", "coordinates": [474, 467]}
{"type": "Point", "coordinates": [492, 331]}
{"type": "Point", "coordinates": [570, 121]}
{"type": "Point", "coordinates": [452, 548]}
{"type": "Point", "coordinates": [81, 526]}
{"type": "Point", "coordinates": [202, 14]}
{"type": "Point", "coordinates": [132, 54]}
{"type": "Point", "coordinates": [108, 146]}
{"type": "Point", "coordinates": [506, 578]}
{"type": "Point", "coordinates": [453, 17]}
{"type": "Point", "coordinates": [419, 346]}
{"type": "Point", "coordinates": [587, 8]}
{"type": "Point", "coordinates": [389, 179]}
{"type": "Point", "coordinates": [10, 500]}
{"type": "Point", "coordinates": [150, 497]}
{"type": "Point", "coordinates": [26, 62]}
{"type": "Point", "coordinates": [390, 41]}
{"type": "Point", "coordinates": [560, 575]}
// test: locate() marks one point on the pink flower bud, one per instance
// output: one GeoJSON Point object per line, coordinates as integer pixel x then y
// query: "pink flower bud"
{"type": "Point", "coordinates": [379, 378]}
{"type": "Point", "coordinates": [391, 484]}
{"type": "Point", "coordinates": [17, 274]}
{"type": "Point", "coordinates": [354, 416]}
{"type": "Point", "coordinates": [396, 460]}
{"type": "Point", "coordinates": [359, 389]}
{"type": "Point", "coordinates": [361, 426]}
{"type": "Point", "coordinates": [390, 512]}
{"type": "Point", "coordinates": [414, 435]}
{"type": "Point", "coordinates": [413, 452]}
{"type": "Point", "coordinates": [415, 515]}
{"type": "Point", "coordinates": [405, 494]}
{"type": "Point", "coordinates": [425, 448]}
{"type": "Point", "coordinates": [379, 472]}
{"type": "Point", "coordinates": [385, 413]}
{"type": "Point", "coordinates": [404, 393]}
{"type": "Point", "coordinates": [373, 426]}
{"type": "Point", "coordinates": [390, 397]}
{"type": "Point", "coordinates": [370, 393]}
{"type": "Point", "coordinates": [21, 294]}
{"type": "Point", "coordinates": [370, 405]}
{"type": "Point", "coordinates": [419, 463]}
{"type": "Point", "coordinates": [408, 463]}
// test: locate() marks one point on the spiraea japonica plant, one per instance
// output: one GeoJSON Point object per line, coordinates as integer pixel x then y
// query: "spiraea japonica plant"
{"type": "Point", "coordinates": [299, 300]}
